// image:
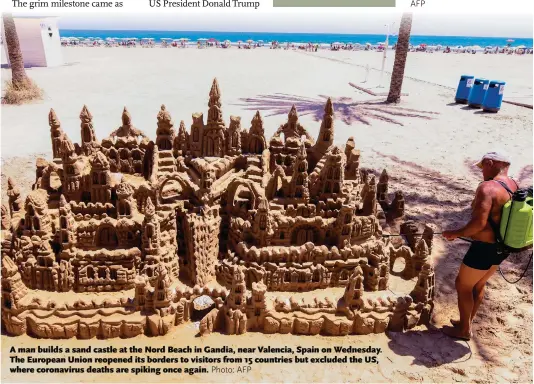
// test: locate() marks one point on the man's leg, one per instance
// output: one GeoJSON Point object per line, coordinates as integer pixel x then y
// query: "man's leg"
{"type": "Point", "coordinates": [478, 293]}
{"type": "Point", "coordinates": [465, 283]}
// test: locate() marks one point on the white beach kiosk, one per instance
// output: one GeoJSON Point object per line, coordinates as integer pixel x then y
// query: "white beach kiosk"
{"type": "Point", "coordinates": [39, 41]}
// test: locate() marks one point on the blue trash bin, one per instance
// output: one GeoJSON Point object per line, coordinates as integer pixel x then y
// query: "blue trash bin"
{"type": "Point", "coordinates": [493, 99]}
{"type": "Point", "coordinates": [464, 86]}
{"type": "Point", "coordinates": [477, 93]}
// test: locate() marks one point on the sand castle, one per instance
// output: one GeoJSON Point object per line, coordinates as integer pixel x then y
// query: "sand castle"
{"type": "Point", "coordinates": [212, 224]}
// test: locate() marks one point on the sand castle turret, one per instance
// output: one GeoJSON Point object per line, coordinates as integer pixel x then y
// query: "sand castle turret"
{"type": "Point", "coordinates": [89, 142]}
{"type": "Point", "coordinates": [56, 134]}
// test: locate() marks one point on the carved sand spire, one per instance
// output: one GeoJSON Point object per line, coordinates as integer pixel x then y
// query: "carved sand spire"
{"type": "Point", "coordinates": [329, 107]}
{"type": "Point", "coordinates": [325, 140]}
{"type": "Point", "coordinates": [382, 190]}
{"type": "Point", "coordinates": [150, 209]}
{"type": "Point", "coordinates": [257, 124]}
{"type": "Point", "coordinates": [180, 146]}
{"type": "Point", "coordinates": [293, 115]}
{"type": "Point", "coordinates": [67, 148]}
{"type": "Point", "coordinates": [126, 117]}
{"type": "Point", "coordinates": [13, 194]}
{"type": "Point", "coordinates": [164, 118]}
{"type": "Point", "coordinates": [56, 134]}
{"type": "Point", "coordinates": [89, 142]}
{"type": "Point", "coordinates": [215, 94]}
{"type": "Point", "coordinates": [165, 133]}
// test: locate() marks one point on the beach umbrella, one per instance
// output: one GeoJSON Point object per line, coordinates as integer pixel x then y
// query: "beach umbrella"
{"type": "Point", "coordinates": [202, 39]}
{"type": "Point", "coordinates": [521, 47]}
{"type": "Point", "coordinates": [212, 40]}
{"type": "Point", "coordinates": [184, 39]}
{"type": "Point", "coordinates": [250, 41]}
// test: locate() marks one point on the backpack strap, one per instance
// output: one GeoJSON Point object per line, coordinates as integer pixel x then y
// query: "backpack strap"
{"type": "Point", "coordinates": [496, 229]}
{"type": "Point", "coordinates": [503, 184]}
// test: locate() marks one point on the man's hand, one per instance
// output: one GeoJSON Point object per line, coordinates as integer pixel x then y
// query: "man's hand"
{"type": "Point", "coordinates": [450, 235]}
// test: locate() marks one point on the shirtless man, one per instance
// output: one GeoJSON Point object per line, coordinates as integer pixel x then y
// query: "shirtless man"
{"type": "Point", "coordinates": [482, 259]}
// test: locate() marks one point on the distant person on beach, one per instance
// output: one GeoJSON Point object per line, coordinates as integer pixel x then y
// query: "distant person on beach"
{"type": "Point", "coordinates": [483, 257]}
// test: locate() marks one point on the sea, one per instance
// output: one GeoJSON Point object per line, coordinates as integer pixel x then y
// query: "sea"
{"type": "Point", "coordinates": [327, 38]}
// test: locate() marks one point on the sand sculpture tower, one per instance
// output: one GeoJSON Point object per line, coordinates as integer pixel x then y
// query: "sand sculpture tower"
{"type": "Point", "coordinates": [299, 181]}
{"type": "Point", "coordinates": [67, 224]}
{"type": "Point", "coordinates": [37, 219]}
{"type": "Point", "coordinates": [256, 135]}
{"type": "Point", "coordinates": [72, 171]}
{"type": "Point", "coordinates": [89, 142]}
{"type": "Point", "coordinates": [197, 133]}
{"type": "Point", "coordinates": [100, 179]}
{"type": "Point", "coordinates": [353, 295]}
{"type": "Point", "coordinates": [213, 141]}
{"type": "Point", "coordinates": [262, 224]}
{"type": "Point", "coordinates": [13, 194]}
{"type": "Point", "coordinates": [420, 257]}
{"type": "Point", "coordinates": [428, 236]}
{"type": "Point", "coordinates": [233, 140]}
{"type": "Point", "coordinates": [151, 238]}
{"type": "Point", "coordinates": [162, 292]}
{"type": "Point", "coordinates": [369, 200]}
{"type": "Point", "coordinates": [382, 190]}
{"type": "Point", "coordinates": [181, 141]}
{"type": "Point", "coordinates": [235, 316]}
{"type": "Point", "coordinates": [126, 204]}
{"type": "Point", "coordinates": [165, 133]}
{"type": "Point", "coordinates": [325, 139]}
{"type": "Point", "coordinates": [332, 175]}
{"type": "Point", "coordinates": [352, 171]}
{"type": "Point", "coordinates": [56, 134]}
{"type": "Point", "coordinates": [396, 209]}
{"type": "Point", "coordinates": [423, 291]}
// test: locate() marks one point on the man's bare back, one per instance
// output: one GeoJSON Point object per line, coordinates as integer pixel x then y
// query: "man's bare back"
{"type": "Point", "coordinates": [491, 192]}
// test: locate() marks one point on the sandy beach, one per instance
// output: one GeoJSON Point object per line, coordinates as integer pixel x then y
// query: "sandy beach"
{"type": "Point", "coordinates": [427, 144]}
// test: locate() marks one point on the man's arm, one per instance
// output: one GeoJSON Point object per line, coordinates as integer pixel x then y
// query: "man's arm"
{"type": "Point", "coordinates": [479, 217]}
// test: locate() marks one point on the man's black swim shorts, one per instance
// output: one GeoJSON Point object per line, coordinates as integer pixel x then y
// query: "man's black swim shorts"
{"type": "Point", "coordinates": [482, 255]}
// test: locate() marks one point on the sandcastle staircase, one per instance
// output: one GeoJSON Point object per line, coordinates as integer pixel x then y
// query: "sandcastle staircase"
{"type": "Point", "coordinates": [166, 164]}
{"type": "Point", "coordinates": [254, 169]}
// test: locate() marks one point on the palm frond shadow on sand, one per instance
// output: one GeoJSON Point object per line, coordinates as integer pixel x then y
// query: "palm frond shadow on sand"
{"type": "Point", "coordinates": [345, 108]}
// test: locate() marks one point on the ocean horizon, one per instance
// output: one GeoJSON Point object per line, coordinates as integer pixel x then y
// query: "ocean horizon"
{"type": "Point", "coordinates": [327, 38]}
